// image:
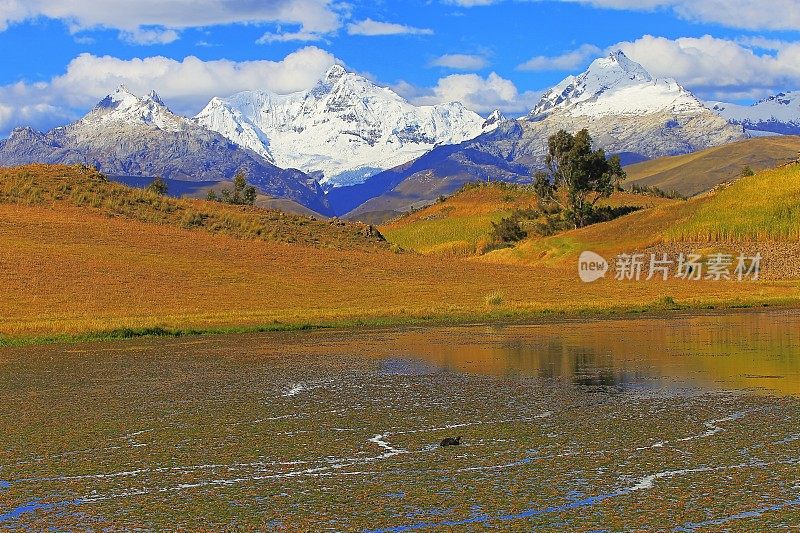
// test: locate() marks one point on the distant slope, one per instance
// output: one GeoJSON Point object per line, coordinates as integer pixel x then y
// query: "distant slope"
{"type": "Point", "coordinates": [460, 224]}
{"type": "Point", "coordinates": [698, 172]}
{"type": "Point", "coordinates": [77, 186]}
{"type": "Point", "coordinates": [442, 171]}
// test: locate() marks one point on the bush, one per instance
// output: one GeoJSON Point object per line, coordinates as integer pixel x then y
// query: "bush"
{"type": "Point", "coordinates": [508, 230]}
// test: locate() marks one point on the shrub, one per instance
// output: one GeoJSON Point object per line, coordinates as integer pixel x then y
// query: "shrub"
{"type": "Point", "coordinates": [508, 230]}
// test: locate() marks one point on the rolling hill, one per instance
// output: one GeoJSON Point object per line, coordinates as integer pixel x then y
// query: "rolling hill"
{"type": "Point", "coordinates": [698, 172]}
{"type": "Point", "coordinates": [756, 214]}
{"type": "Point", "coordinates": [81, 187]}
{"type": "Point", "coordinates": [461, 224]}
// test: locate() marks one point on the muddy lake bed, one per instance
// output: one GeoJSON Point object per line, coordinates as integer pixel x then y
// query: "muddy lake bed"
{"type": "Point", "coordinates": [687, 423]}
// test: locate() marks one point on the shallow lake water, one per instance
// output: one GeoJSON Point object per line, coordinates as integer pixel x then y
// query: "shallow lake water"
{"type": "Point", "coordinates": [684, 423]}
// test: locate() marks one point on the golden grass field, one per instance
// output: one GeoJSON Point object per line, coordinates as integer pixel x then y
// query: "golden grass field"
{"type": "Point", "coordinates": [69, 269]}
{"type": "Point", "coordinates": [759, 208]}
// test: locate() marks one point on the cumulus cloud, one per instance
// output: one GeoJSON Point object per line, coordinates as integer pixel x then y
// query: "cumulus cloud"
{"type": "Point", "coordinates": [132, 16]}
{"type": "Point", "coordinates": [566, 61]}
{"type": "Point", "coordinates": [373, 27]}
{"type": "Point", "coordinates": [186, 85]}
{"type": "Point", "coordinates": [480, 94]}
{"type": "Point", "coordinates": [719, 68]}
{"type": "Point", "coordinates": [460, 62]}
{"type": "Point", "coordinates": [744, 14]}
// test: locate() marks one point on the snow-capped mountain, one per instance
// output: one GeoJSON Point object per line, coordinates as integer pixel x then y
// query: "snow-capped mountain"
{"type": "Point", "coordinates": [123, 107]}
{"type": "Point", "coordinates": [779, 114]}
{"type": "Point", "coordinates": [616, 85]}
{"type": "Point", "coordinates": [626, 110]}
{"type": "Point", "coordinates": [342, 131]}
{"type": "Point", "coordinates": [629, 111]}
{"type": "Point", "coordinates": [127, 135]}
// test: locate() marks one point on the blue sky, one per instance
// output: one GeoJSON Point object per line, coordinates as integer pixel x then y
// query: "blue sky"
{"type": "Point", "coordinates": [60, 59]}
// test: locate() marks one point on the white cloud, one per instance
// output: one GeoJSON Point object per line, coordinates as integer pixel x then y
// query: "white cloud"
{"type": "Point", "coordinates": [131, 16]}
{"type": "Point", "coordinates": [567, 61]}
{"type": "Point", "coordinates": [719, 68]}
{"type": "Point", "coordinates": [482, 95]}
{"type": "Point", "coordinates": [460, 62]}
{"type": "Point", "coordinates": [282, 37]}
{"type": "Point", "coordinates": [373, 27]}
{"type": "Point", "coordinates": [744, 14]}
{"type": "Point", "coordinates": [152, 36]}
{"type": "Point", "coordinates": [185, 85]}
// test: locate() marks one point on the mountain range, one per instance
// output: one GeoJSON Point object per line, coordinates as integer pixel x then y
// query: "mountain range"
{"type": "Point", "coordinates": [348, 146]}
{"type": "Point", "coordinates": [341, 131]}
{"type": "Point", "coordinates": [778, 114]}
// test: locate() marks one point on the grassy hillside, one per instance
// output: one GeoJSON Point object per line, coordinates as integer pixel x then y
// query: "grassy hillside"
{"type": "Point", "coordinates": [758, 208]}
{"type": "Point", "coordinates": [100, 258]}
{"type": "Point", "coordinates": [462, 224]}
{"type": "Point", "coordinates": [81, 187]}
{"type": "Point", "coordinates": [761, 208]}
{"type": "Point", "coordinates": [698, 172]}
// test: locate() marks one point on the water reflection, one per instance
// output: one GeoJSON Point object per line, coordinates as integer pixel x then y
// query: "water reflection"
{"type": "Point", "coordinates": [745, 350]}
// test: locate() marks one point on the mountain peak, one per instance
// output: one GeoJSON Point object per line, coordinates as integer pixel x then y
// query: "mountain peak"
{"type": "Point", "coordinates": [124, 107]}
{"type": "Point", "coordinates": [495, 118]}
{"type": "Point", "coordinates": [335, 73]}
{"type": "Point", "coordinates": [342, 131]}
{"type": "Point", "coordinates": [153, 95]}
{"type": "Point", "coordinates": [616, 85]}
{"type": "Point", "coordinates": [616, 68]}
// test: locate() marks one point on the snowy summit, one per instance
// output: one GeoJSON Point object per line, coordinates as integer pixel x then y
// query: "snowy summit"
{"type": "Point", "coordinates": [616, 85]}
{"type": "Point", "coordinates": [341, 131]}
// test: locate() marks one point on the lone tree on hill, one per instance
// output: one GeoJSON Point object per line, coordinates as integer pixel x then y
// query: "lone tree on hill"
{"type": "Point", "coordinates": [578, 177]}
{"type": "Point", "coordinates": [159, 186]}
{"type": "Point", "coordinates": [241, 194]}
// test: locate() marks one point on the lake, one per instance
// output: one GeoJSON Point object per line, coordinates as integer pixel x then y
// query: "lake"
{"type": "Point", "coordinates": [685, 423]}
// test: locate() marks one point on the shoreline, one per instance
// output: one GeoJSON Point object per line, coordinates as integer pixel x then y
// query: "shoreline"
{"type": "Point", "coordinates": [654, 311]}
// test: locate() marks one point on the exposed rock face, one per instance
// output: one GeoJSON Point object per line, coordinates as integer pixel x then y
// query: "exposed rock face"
{"type": "Point", "coordinates": [128, 135]}
{"type": "Point", "coordinates": [343, 130]}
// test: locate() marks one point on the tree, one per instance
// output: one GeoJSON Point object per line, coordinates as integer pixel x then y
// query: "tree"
{"type": "Point", "coordinates": [241, 194]}
{"type": "Point", "coordinates": [747, 171]}
{"type": "Point", "coordinates": [578, 177]}
{"type": "Point", "coordinates": [249, 195]}
{"type": "Point", "coordinates": [159, 186]}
